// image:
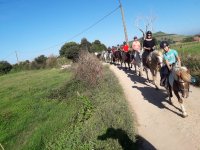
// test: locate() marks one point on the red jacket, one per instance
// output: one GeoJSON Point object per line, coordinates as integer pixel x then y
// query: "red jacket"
{"type": "Point", "coordinates": [125, 48]}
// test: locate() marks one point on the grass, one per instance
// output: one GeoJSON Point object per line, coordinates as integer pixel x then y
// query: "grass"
{"type": "Point", "coordinates": [48, 109]}
{"type": "Point", "coordinates": [190, 57]}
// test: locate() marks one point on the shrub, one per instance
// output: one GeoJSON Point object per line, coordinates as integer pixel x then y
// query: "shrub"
{"type": "Point", "coordinates": [5, 67]}
{"type": "Point", "coordinates": [51, 61]}
{"type": "Point", "coordinates": [88, 69]}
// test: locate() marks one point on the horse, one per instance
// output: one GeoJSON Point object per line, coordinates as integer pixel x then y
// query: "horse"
{"type": "Point", "coordinates": [153, 62]}
{"type": "Point", "coordinates": [105, 56]}
{"type": "Point", "coordinates": [137, 62]}
{"type": "Point", "coordinates": [126, 59]}
{"type": "Point", "coordinates": [98, 55]}
{"type": "Point", "coordinates": [117, 57]}
{"type": "Point", "coordinates": [179, 81]}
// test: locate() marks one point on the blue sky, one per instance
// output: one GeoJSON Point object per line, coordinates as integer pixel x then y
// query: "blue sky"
{"type": "Point", "coordinates": [35, 27]}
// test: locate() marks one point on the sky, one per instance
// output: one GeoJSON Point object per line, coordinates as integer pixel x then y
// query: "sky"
{"type": "Point", "coordinates": [30, 28]}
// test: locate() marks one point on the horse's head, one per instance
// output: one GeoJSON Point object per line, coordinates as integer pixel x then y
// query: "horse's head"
{"type": "Point", "coordinates": [183, 79]}
{"type": "Point", "coordinates": [157, 56]}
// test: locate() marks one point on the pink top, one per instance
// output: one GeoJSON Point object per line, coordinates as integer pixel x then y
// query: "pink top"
{"type": "Point", "coordinates": [136, 46]}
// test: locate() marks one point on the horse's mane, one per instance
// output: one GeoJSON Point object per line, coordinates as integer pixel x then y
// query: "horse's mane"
{"type": "Point", "coordinates": [184, 74]}
{"type": "Point", "coordinates": [155, 54]}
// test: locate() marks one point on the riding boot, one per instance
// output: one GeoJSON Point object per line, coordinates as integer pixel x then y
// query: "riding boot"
{"type": "Point", "coordinates": [162, 81]}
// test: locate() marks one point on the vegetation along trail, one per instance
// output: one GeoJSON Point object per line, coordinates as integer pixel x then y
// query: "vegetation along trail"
{"type": "Point", "coordinates": [159, 122]}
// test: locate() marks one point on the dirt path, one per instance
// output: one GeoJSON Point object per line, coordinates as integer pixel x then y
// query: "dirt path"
{"type": "Point", "coordinates": [158, 122]}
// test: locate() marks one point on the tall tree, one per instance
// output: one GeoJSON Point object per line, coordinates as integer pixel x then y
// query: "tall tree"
{"type": "Point", "coordinates": [70, 50]}
{"type": "Point", "coordinates": [97, 46]}
{"type": "Point", "coordinates": [85, 45]}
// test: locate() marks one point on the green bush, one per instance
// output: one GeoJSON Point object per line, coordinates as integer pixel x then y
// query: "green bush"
{"type": "Point", "coordinates": [5, 67]}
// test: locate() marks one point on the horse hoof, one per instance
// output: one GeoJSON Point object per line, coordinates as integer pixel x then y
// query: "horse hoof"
{"type": "Point", "coordinates": [185, 115]}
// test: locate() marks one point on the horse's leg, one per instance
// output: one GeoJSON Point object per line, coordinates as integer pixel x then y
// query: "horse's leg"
{"type": "Point", "coordinates": [145, 69]}
{"type": "Point", "coordinates": [140, 70]}
{"type": "Point", "coordinates": [125, 65]}
{"type": "Point", "coordinates": [184, 113]}
{"type": "Point", "coordinates": [129, 66]}
{"type": "Point", "coordinates": [154, 74]}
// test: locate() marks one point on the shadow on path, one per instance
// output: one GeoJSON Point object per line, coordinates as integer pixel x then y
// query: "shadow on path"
{"type": "Point", "coordinates": [153, 96]}
{"type": "Point", "coordinates": [125, 142]}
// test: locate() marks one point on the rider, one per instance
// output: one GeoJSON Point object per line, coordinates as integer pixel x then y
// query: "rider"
{"type": "Point", "coordinates": [136, 47]}
{"type": "Point", "coordinates": [170, 57]}
{"type": "Point", "coordinates": [148, 45]}
{"type": "Point", "coordinates": [125, 49]}
{"type": "Point", "coordinates": [109, 50]}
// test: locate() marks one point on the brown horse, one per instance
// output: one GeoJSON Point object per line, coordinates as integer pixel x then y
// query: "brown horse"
{"type": "Point", "coordinates": [126, 59]}
{"type": "Point", "coordinates": [179, 81]}
{"type": "Point", "coordinates": [153, 63]}
{"type": "Point", "coordinates": [117, 57]}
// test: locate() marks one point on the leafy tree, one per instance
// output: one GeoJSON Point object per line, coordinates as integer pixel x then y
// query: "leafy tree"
{"type": "Point", "coordinates": [41, 59]}
{"type": "Point", "coordinates": [70, 50]}
{"type": "Point", "coordinates": [97, 46]}
{"type": "Point", "coordinates": [39, 62]}
{"type": "Point", "coordinates": [85, 45]}
{"type": "Point", "coordinates": [5, 67]}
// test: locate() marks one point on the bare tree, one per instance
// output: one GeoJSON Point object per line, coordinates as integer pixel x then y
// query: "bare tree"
{"type": "Point", "coordinates": [145, 23]}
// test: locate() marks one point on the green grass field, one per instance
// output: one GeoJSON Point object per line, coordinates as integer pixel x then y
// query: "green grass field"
{"type": "Point", "coordinates": [190, 56]}
{"type": "Point", "coordinates": [48, 109]}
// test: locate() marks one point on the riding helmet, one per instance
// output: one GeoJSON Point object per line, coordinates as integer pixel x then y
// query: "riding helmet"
{"type": "Point", "coordinates": [163, 44]}
{"type": "Point", "coordinates": [149, 32]}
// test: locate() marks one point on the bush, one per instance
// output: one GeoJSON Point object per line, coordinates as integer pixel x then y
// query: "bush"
{"type": "Point", "coordinates": [5, 67]}
{"type": "Point", "coordinates": [88, 69]}
{"type": "Point", "coordinates": [51, 61]}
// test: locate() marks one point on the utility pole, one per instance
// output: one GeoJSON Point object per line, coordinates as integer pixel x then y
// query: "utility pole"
{"type": "Point", "coordinates": [123, 20]}
{"type": "Point", "coordinates": [17, 57]}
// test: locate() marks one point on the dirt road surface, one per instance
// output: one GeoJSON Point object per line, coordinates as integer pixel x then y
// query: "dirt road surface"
{"type": "Point", "coordinates": [157, 121]}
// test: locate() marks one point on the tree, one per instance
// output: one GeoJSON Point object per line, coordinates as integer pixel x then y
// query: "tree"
{"type": "Point", "coordinates": [70, 50]}
{"type": "Point", "coordinates": [97, 46]}
{"type": "Point", "coordinates": [85, 45]}
{"type": "Point", "coordinates": [147, 24]}
{"type": "Point", "coordinates": [39, 62]}
{"type": "Point", "coordinates": [5, 67]}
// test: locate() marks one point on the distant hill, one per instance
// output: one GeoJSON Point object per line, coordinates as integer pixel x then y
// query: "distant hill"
{"type": "Point", "coordinates": [172, 38]}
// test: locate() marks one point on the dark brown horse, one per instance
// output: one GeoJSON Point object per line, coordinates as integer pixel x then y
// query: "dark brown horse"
{"type": "Point", "coordinates": [126, 59]}
{"type": "Point", "coordinates": [179, 81]}
{"type": "Point", "coordinates": [117, 57]}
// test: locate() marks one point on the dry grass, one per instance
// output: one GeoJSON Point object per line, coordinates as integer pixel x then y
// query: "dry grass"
{"type": "Point", "coordinates": [88, 69]}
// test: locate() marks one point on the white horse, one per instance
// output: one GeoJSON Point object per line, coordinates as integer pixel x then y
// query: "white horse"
{"type": "Point", "coordinates": [106, 56]}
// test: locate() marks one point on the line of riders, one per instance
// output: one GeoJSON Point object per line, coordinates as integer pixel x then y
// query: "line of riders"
{"type": "Point", "coordinates": [174, 77]}
{"type": "Point", "coordinates": [138, 56]}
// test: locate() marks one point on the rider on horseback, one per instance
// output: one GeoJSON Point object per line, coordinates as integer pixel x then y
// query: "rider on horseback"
{"type": "Point", "coordinates": [126, 49]}
{"type": "Point", "coordinates": [149, 46]}
{"type": "Point", "coordinates": [136, 48]}
{"type": "Point", "coordinates": [170, 57]}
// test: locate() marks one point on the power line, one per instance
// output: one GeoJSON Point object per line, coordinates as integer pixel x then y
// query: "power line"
{"type": "Point", "coordinates": [95, 23]}
{"type": "Point", "coordinates": [85, 30]}
{"type": "Point", "coordinates": [12, 53]}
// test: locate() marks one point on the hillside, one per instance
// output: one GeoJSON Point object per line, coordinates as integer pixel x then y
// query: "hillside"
{"type": "Point", "coordinates": [171, 38]}
{"type": "Point", "coordinates": [174, 38]}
